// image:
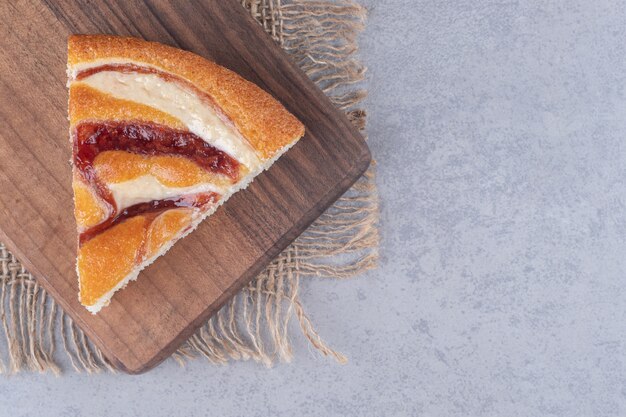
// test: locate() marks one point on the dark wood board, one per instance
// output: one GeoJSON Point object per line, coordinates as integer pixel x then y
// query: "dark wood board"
{"type": "Point", "coordinates": [148, 320]}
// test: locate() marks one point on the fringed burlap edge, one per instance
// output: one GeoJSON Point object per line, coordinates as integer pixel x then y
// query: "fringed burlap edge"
{"type": "Point", "coordinates": [322, 38]}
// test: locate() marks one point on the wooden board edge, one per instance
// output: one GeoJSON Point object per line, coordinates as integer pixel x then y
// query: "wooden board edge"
{"type": "Point", "coordinates": [359, 168]}
{"type": "Point", "coordinates": [135, 365]}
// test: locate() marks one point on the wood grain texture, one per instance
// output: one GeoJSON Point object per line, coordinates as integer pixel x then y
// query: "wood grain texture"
{"type": "Point", "coordinates": [148, 320]}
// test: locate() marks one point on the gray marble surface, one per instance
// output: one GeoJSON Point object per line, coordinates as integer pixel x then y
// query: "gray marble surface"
{"type": "Point", "coordinates": [499, 129]}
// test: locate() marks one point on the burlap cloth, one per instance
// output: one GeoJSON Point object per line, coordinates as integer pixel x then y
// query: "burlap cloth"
{"type": "Point", "coordinates": [322, 38]}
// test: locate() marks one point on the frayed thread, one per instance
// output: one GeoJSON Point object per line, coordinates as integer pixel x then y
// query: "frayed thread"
{"type": "Point", "coordinates": [255, 325]}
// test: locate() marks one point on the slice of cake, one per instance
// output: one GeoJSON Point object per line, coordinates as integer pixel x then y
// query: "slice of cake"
{"type": "Point", "coordinates": [161, 137]}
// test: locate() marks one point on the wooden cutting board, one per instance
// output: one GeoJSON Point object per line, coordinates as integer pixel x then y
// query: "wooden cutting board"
{"type": "Point", "coordinates": [148, 320]}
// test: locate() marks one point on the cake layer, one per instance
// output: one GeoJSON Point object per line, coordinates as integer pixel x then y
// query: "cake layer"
{"type": "Point", "coordinates": [262, 120]}
{"type": "Point", "coordinates": [90, 104]}
{"type": "Point", "coordinates": [93, 138]}
{"type": "Point", "coordinates": [121, 164]}
{"type": "Point", "coordinates": [195, 201]}
{"type": "Point", "coordinates": [105, 261]}
{"type": "Point", "coordinates": [89, 208]}
{"type": "Point", "coordinates": [179, 101]}
{"type": "Point", "coordinates": [171, 171]}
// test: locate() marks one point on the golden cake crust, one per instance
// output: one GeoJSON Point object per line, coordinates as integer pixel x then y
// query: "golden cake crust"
{"type": "Point", "coordinates": [90, 104]}
{"type": "Point", "coordinates": [88, 208]}
{"type": "Point", "coordinates": [107, 258]}
{"type": "Point", "coordinates": [169, 170]}
{"type": "Point", "coordinates": [261, 119]}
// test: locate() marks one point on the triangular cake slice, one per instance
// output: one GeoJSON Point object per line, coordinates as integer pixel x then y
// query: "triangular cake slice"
{"type": "Point", "coordinates": [161, 137]}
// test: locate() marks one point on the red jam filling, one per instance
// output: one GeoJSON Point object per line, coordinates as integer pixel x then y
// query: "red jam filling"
{"type": "Point", "coordinates": [148, 139]}
{"type": "Point", "coordinates": [126, 68]}
{"type": "Point", "coordinates": [93, 138]}
{"type": "Point", "coordinates": [152, 209]}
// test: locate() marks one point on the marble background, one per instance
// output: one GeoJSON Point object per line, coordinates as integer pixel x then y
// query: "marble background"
{"type": "Point", "coordinates": [498, 127]}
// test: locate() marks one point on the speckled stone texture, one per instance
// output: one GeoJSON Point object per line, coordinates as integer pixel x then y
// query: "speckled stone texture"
{"type": "Point", "coordinates": [500, 134]}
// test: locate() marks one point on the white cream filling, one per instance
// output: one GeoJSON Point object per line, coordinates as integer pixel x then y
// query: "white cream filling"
{"type": "Point", "coordinates": [169, 97]}
{"type": "Point", "coordinates": [196, 220]}
{"type": "Point", "coordinates": [148, 188]}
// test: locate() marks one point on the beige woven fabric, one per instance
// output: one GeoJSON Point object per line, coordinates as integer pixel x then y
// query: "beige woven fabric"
{"type": "Point", "coordinates": [322, 38]}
